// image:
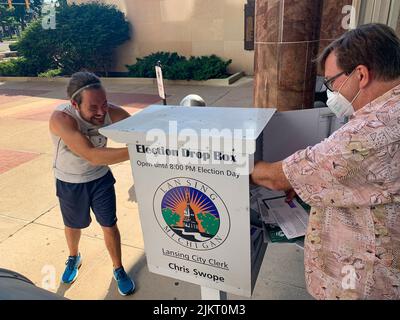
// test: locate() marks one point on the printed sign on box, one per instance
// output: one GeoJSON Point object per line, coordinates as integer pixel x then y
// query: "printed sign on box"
{"type": "Point", "coordinates": [193, 198]}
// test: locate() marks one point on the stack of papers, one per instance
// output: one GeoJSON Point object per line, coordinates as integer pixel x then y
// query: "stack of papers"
{"type": "Point", "coordinates": [289, 216]}
{"type": "Point", "coordinates": [281, 221]}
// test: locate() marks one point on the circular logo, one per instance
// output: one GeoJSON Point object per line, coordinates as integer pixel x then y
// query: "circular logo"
{"type": "Point", "coordinates": [191, 213]}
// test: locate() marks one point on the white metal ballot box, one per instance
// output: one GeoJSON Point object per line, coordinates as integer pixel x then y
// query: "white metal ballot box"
{"type": "Point", "coordinates": [191, 169]}
{"type": "Point", "coordinates": [191, 174]}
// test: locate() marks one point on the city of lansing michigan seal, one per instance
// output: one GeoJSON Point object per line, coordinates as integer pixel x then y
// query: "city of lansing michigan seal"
{"type": "Point", "coordinates": [191, 213]}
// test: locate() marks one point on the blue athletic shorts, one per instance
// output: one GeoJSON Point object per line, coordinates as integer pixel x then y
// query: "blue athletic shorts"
{"type": "Point", "coordinates": [76, 200]}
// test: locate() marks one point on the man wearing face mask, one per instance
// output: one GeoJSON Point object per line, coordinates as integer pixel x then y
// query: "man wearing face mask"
{"type": "Point", "coordinates": [352, 179]}
{"type": "Point", "coordinates": [84, 181]}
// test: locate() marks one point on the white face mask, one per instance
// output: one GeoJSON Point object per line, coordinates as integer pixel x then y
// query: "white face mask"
{"type": "Point", "coordinates": [339, 105]}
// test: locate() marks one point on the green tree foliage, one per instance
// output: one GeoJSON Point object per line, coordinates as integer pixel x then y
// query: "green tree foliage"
{"type": "Point", "coordinates": [16, 67]}
{"type": "Point", "coordinates": [209, 222]}
{"type": "Point", "coordinates": [7, 21]}
{"type": "Point", "coordinates": [19, 15]}
{"type": "Point", "coordinates": [144, 67]}
{"type": "Point", "coordinates": [50, 73]}
{"type": "Point", "coordinates": [24, 16]}
{"type": "Point", "coordinates": [208, 67]}
{"type": "Point", "coordinates": [176, 67]}
{"type": "Point", "coordinates": [84, 38]}
{"type": "Point", "coordinates": [37, 46]}
{"type": "Point", "coordinates": [171, 218]}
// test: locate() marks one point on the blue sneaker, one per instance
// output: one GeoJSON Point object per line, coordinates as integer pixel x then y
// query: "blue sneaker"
{"type": "Point", "coordinates": [126, 286]}
{"type": "Point", "coordinates": [71, 270]}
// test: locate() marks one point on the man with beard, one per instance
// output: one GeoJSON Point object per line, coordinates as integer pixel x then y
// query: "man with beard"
{"type": "Point", "coordinates": [83, 179]}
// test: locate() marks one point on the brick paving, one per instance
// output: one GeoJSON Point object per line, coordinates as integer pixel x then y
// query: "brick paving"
{"type": "Point", "coordinates": [10, 159]}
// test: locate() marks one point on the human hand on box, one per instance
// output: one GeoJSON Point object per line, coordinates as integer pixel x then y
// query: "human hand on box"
{"type": "Point", "coordinates": [270, 175]}
{"type": "Point", "coordinates": [290, 195]}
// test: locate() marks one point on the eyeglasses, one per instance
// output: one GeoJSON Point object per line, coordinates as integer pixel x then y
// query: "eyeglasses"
{"type": "Point", "coordinates": [329, 82]}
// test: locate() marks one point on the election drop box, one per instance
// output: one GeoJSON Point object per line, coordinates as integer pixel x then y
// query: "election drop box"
{"type": "Point", "coordinates": [191, 172]}
{"type": "Point", "coordinates": [191, 169]}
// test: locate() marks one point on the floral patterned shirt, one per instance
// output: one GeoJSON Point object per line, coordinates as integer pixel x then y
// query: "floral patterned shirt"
{"type": "Point", "coordinates": [352, 182]}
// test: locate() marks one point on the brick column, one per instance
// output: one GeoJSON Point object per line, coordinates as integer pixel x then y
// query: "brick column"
{"type": "Point", "coordinates": [289, 36]}
{"type": "Point", "coordinates": [334, 21]}
{"type": "Point", "coordinates": [287, 40]}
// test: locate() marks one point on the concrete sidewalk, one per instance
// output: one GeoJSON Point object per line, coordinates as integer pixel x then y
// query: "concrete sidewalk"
{"type": "Point", "coordinates": [31, 230]}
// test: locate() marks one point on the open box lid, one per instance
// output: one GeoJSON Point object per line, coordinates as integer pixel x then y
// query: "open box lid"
{"type": "Point", "coordinates": [238, 125]}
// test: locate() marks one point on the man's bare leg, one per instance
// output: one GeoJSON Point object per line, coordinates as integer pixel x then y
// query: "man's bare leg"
{"type": "Point", "coordinates": [73, 236]}
{"type": "Point", "coordinates": [112, 239]}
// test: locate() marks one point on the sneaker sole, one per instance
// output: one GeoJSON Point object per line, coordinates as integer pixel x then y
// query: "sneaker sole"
{"type": "Point", "coordinates": [126, 294]}
{"type": "Point", "coordinates": [76, 276]}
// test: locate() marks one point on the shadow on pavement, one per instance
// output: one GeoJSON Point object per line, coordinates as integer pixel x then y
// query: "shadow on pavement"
{"type": "Point", "coordinates": [62, 289]}
{"type": "Point", "coordinates": [134, 273]}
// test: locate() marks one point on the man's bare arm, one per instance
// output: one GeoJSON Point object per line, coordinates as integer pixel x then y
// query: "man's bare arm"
{"type": "Point", "coordinates": [66, 128]}
{"type": "Point", "coordinates": [271, 176]}
{"type": "Point", "coordinates": [117, 113]}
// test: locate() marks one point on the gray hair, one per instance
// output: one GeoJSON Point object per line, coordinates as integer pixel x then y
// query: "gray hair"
{"type": "Point", "coordinates": [81, 81]}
